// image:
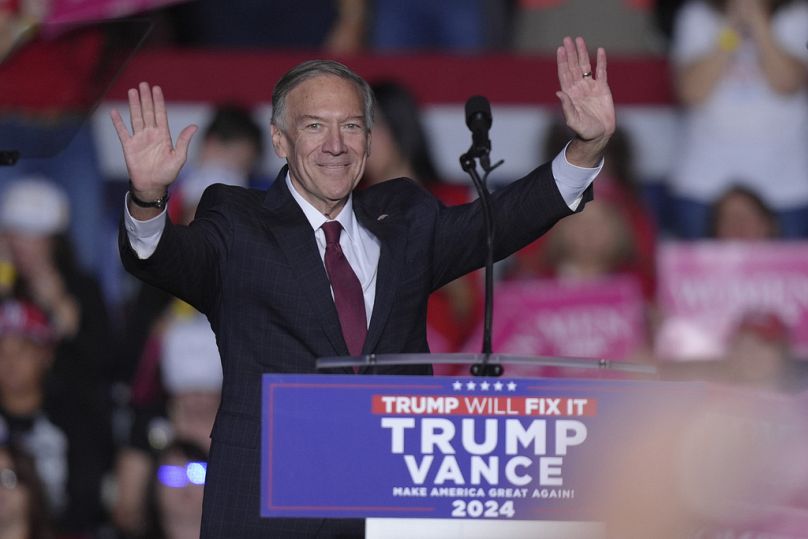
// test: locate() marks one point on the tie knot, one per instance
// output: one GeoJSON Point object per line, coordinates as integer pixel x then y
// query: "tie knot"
{"type": "Point", "coordinates": [332, 230]}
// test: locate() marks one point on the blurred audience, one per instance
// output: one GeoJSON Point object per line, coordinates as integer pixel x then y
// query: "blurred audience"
{"type": "Point", "coordinates": [618, 235]}
{"type": "Point", "coordinates": [69, 465]}
{"type": "Point", "coordinates": [620, 26]}
{"type": "Point", "coordinates": [401, 149]}
{"type": "Point", "coordinates": [741, 71]}
{"type": "Point", "coordinates": [23, 508]}
{"type": "Point", "coordinates": [34, 217]}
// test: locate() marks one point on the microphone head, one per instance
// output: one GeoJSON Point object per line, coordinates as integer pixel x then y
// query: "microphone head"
{"type": "Point", "coordinates": [478, 109]}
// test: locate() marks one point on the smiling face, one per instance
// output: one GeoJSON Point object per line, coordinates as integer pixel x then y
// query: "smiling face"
{"type": "Point", "coordinates": [324, 139]}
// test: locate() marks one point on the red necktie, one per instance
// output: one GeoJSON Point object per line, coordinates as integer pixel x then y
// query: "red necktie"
{"type": "Point", "coordinates": [348, 296]}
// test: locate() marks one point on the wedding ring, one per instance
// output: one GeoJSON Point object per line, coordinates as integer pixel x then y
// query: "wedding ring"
{"type": "Point", "coordinates": [587, 74]}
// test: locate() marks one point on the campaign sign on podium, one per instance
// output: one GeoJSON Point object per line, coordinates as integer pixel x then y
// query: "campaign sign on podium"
{"type": "Point", "coordinates": [440, 447]}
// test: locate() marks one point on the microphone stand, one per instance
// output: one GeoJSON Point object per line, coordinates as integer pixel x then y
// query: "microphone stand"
{"type": "Point", "coordinates": [469, 164]}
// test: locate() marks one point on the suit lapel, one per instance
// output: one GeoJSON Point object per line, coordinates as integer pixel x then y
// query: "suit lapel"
{"type": "Point", "coordinates": [290, 228]}
{"type": "Point", "coordinates": [391, 233]}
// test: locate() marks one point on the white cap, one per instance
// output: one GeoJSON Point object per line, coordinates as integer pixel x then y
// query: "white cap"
{"type": "Point", "coordinates": [34, 205]}
{"type": "Point", "coordinates": [190, 359]}
{"type": "Point", "coordinates": [679, 338]}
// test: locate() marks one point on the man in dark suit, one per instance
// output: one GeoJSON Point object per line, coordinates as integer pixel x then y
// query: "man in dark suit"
{"type": "Point", "coordinates": [283, 284]}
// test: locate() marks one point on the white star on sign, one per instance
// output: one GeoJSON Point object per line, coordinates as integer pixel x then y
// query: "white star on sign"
{"type": "Point", "coordinates": [511, 386]}
{"type": "Point", "coordinates": [484, 386]}
{"type": "Point", "coordinates": [457, 385]}
{"type": "Point", "coordinates": [471, 385]}
{"type": "Point", "coordinates": [497, 386]}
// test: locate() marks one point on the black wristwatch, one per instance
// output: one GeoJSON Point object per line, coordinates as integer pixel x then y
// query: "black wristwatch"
{"type": "Point", "coordinates": [160, 203]}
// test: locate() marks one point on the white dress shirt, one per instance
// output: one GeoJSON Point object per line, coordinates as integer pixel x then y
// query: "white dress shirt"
{"type": "Point", "coordinates": [361, 248]}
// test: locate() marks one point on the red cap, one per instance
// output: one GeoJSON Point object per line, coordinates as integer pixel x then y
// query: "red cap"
{"type": "Point", "coordinates": [24, 319]}
{"type": "Point", "coordinates": [766, 325]}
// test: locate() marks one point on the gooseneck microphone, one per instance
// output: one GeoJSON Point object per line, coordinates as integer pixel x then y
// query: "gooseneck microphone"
{"type": "Point", "coordinates": [478, 120]}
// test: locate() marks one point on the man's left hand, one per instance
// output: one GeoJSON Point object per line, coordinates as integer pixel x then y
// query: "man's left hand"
{"type": "Point", "coordinates": [586, 101]}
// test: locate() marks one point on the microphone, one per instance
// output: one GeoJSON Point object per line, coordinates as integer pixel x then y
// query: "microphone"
{"type": "Point", "coordinates": [478, 120]}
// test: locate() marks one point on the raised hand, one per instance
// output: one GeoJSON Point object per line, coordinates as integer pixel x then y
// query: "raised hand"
{"type": "Point", "coordinates": [586, 99]}
{"type": "Point", "coordinates": [152, 159]}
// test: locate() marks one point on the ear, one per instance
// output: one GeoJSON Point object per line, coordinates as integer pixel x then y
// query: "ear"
{"type": "Point", "coordinates": [279, 142]}
{"type": "Point", "coordinates": [368, 143]}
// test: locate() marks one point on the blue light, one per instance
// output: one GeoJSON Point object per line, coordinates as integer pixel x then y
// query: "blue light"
{"type": "Point", "coordinates": [196, 472]}
{"type": "Point", "coordinates": [181, 476]}
{"type": "Point", "coordinates": [172, 476]}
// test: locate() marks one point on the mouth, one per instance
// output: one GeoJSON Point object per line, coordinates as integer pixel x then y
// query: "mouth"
{"type": "Point", "coordinates": [333, 165]}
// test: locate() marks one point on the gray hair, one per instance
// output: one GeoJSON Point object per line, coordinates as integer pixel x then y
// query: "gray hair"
{"type": "Point", "coordinates": [314, 68]}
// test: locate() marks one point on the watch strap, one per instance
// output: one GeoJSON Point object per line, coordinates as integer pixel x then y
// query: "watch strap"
{"type": "Point", "coordinates": [160, 203]}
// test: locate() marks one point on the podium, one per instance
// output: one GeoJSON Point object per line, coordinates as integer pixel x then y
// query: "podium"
{"type": "Point", "coordinates": [612, 448]}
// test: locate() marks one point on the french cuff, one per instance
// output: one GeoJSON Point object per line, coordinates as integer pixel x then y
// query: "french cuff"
{"type": "Point", "coordinates": [143, 235]}
{"type": "Point", "coordinates": [572, 180]}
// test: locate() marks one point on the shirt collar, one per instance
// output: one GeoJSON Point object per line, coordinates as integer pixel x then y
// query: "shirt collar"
{"type": "Point", "coordinates": [316, 219]}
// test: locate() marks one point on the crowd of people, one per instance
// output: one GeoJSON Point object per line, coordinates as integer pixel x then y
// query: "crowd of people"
{"type": "Point", "coordinates": [106, 407]}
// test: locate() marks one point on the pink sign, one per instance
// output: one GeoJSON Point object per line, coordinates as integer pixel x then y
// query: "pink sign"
{"type": "Point", "coordinates": [72, 11]}
{"type": "Point", "coordinates": [597, 319]}
{"type": "Point", "coordinates": [704, 288]}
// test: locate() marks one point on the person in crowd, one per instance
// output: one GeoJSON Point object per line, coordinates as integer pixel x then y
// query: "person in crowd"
{"type": "Point", "coordinates": [401, 150]}
{"type": "Point", "coordinates": [232, 146]}
{"type": "Point", "coordinates": [26, 352]}
{"type": "Point", "coordinates": [175, 504]}
{"type": "Point", "coordinates": [741, 73]}
{"type": "Point", "coordinates": [282, 285]}
{"type": "Point", "coordinates": [23, 507]}
{"type": "Point", "coordinates": [191, 379]}
{"type": "Point", "coordinates": [740, 214]}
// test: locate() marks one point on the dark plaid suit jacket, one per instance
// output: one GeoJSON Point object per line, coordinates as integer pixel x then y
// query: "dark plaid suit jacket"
{"type": "Point", "coordinates": [249, 261]}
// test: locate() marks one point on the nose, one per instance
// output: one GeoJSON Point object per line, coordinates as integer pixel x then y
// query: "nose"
{"type": "Point", "coordinates": [334, 143]}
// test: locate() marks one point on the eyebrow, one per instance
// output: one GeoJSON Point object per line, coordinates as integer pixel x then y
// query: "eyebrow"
{"type": "Point", "coordinates": [307, 117]}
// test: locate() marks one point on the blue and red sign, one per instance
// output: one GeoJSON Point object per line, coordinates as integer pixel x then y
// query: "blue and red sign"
{"type": "Point", "coordinates": [439, 447]}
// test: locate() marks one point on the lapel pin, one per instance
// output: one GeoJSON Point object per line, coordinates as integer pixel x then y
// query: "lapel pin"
{"type": "Point", "coordinates": [382, 217]}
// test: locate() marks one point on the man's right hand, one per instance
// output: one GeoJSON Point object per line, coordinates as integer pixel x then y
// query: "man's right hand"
{"type": "Point", "coordinates": [152, 160]}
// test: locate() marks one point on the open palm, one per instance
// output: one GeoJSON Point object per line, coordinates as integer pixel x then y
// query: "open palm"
{"type": "Point", "coordinates": [586, 100]}
{"type": "Point", "coordinates": [152, 159]}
